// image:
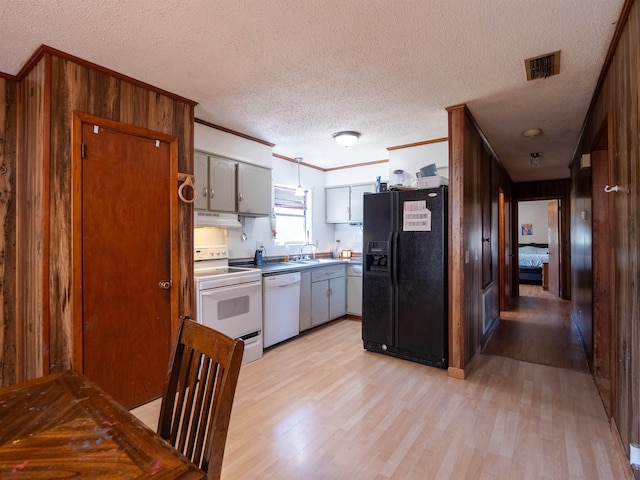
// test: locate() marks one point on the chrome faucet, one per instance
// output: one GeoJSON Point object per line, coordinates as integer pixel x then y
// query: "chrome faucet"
{"type": "Point", "coordinates": [313, 250]}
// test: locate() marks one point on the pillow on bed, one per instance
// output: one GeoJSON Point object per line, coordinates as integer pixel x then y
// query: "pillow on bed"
{"type": "Point", "coordinates": [534, 250]}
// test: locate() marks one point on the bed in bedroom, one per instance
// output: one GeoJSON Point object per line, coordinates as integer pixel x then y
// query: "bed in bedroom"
{"type": "Point", "coordinates": [531, 256]}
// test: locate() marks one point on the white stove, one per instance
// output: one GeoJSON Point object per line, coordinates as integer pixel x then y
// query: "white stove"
{"type": "Point", "coordinates": [229, 299]}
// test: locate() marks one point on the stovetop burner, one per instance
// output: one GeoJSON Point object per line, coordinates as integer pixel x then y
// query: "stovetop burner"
{"type": "Point", "coordinates": [212, 263]}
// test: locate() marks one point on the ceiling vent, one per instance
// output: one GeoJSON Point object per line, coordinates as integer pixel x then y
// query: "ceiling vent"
{"type": "Point", "coordinates": [543, 66]}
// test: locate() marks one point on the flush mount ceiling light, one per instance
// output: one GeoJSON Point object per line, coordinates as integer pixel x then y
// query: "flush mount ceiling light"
{"type": "Point", "coordinates": [299, 190]}
{"type": "Point", "coordinates": [346, 139]}
{"type": "Point", "coordinates": [531, 132]}
{"type": "Point", "coordinates": [534, 158]}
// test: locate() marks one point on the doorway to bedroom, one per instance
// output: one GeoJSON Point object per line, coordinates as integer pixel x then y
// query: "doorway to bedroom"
{"type": "Point", "coordinates": [539, 245]}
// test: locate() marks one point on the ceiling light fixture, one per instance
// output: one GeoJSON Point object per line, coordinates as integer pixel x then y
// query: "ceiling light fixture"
{"type": "Point", "coordinates": [534, 158]}
{"type": "Point", "coordinates": [347, 138]}
{"type": "Point", "coordinates": [299, 190]}
{"type": "Point", "coordinates": [531, 132]}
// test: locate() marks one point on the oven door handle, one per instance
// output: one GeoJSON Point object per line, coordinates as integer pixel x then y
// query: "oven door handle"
{"type": "Point", "coordinates": [238, 286]}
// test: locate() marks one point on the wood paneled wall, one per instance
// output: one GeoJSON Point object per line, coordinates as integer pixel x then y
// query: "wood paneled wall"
{"type": "Point", "coordinates": [32, 246]}
{"type": "Point", "coordinates": [8, 126]}
{"type": "Point", "coordinates": [617, 98]}
{"type": "Point", "coordinates": [467, 185]}
{"type": "Point", "coordinates": [548, 189]}
{"type": "Point", "coordinates": [53, 86]}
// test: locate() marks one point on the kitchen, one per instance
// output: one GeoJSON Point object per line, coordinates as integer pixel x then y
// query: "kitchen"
{"type": "Point", "coordinates": [244, 236]}
{"type": "Point", "coordinates": [59, 285]}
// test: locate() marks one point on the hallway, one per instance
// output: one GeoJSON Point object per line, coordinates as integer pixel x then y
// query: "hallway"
{"type": "Point", "coordinates": [538, 329]}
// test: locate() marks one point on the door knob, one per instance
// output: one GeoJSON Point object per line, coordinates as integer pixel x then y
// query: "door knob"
{"type": "Point", "coordinates": [165, 284]}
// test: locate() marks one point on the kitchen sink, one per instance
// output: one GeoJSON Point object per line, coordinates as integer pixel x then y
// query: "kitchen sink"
{"type": "Point", "coordinates": [309, 261]}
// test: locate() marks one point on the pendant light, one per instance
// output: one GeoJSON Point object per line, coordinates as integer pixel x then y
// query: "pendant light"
{"type": "Point", "coordinates": [299, 191]}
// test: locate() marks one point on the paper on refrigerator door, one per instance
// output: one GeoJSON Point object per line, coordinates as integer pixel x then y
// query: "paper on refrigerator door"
{"type": "Point", "coordinates": [417, 217]}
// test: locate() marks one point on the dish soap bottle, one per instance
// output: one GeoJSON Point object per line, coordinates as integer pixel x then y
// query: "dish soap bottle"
{"type": "Point", "coordinates": [336, 249]}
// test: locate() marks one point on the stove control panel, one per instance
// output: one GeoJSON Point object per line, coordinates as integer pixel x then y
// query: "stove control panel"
{"type": "Point", "coordinates": [215, 252]}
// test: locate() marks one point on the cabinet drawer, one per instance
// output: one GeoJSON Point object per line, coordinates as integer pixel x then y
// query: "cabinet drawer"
{"type": "Point", "coordinates": [327, 273]}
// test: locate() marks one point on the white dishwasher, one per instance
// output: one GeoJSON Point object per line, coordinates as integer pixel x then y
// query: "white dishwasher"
{"type": "Point", "coordinates": [280, 307]}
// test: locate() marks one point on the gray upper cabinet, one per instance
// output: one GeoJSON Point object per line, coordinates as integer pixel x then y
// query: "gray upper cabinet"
{"type": "Point", "coordinates": [337, 204]}
{"type": "Point", "coordinates": [357, 202]}
{"type": "Point", "coordinates": [254, 190]}
{"type": "Point", "coordinates": [201, 174]}
{"type": "Point", "coordinates": [222, 174]}
{"type": "Point", "coordinates": [226, 185]}
{"type": "Point", "coordinates": [344, 204]}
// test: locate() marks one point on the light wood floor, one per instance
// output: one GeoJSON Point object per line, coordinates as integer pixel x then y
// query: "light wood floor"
{"type": "Point", "coordinates": [321, 407]}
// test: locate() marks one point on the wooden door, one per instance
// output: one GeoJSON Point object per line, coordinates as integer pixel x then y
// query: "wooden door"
{"type": "Point", "coordinates": [554, 249]}
{"type": "Point", "coordinates": [603, 217]}
{"type": "Point", "coordinates": [127, 250]}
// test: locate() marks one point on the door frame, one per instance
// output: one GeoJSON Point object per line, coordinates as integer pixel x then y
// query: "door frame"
{"type": "Point", "coordinates": [80, 118]}
{"type": "Point", "coordinates": [502, 252]}
{"type": "Point", "coordinates": [563, 212]}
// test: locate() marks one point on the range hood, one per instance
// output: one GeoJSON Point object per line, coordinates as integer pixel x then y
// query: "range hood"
{"type": "Point", "coordinates": [203, 218]}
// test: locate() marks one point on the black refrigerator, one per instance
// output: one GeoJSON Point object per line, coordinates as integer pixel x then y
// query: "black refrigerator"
{"type": "Point", "coordinates": [404, 279]}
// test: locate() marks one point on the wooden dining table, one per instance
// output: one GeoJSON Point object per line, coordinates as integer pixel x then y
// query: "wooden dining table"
{"type": "Point", "coordinates": [64, 426]}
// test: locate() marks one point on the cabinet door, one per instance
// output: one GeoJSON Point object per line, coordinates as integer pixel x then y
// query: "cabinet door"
{"type": "Point", "coordinates": [305, 301]}
{"type": "Point", "coordinates": [337, 297]}
{"type": "Point", "coordinates": [337, 205]}
{"type": "Point", "coordinates": [254, 190]}
{"type": "Point", "coordinates": [354, 295]}
{"type": "Point", "coordinates": [222, 184]}
{"type": "Point", "coordinates": [319, 302]}
{"type": "Point", "coordinates": [201, 174]}
{"type": "Point", "coordinates": [357, 193]}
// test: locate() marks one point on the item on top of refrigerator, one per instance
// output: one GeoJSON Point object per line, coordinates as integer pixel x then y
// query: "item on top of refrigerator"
{"type": "Point", "coordinates": [429, 170]}
{"type": "Point", "coordinates": [431, 182]}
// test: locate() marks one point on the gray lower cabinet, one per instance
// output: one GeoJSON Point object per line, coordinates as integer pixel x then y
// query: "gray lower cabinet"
{"type": "Point", "coordinates": [328, 294]}
{"type": "Point", "coordinates": [354, 289]}
{"type": "Point", "coordinates": [305, 300]}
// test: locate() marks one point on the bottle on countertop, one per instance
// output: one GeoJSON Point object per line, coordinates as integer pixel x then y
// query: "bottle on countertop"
{"type": "Point", "coordinates": [336, 250]}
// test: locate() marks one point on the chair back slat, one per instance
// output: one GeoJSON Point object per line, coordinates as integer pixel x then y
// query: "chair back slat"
{"type": "Point", "coordinates": [199, 390]}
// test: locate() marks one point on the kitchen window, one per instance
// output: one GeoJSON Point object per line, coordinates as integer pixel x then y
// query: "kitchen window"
{"type": "Point", "coordinates": [291, 216]}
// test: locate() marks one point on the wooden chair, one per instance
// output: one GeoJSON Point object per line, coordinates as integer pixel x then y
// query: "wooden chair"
{"type": "Point", "coordinates": [198, 395]}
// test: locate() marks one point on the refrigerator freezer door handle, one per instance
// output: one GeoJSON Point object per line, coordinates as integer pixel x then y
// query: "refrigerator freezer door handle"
{"type": "Point", "coordinates": [393, 245]}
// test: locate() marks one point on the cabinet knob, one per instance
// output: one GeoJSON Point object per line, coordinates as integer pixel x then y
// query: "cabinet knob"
{"type": "Point", "coordinates": [164, 284]}
{"type": "Point", "coordinates": [240, 197]}
{"type": "Point", "coordinates": [205, 192]}
{"type": "Point", "coordinates": [212, 192]}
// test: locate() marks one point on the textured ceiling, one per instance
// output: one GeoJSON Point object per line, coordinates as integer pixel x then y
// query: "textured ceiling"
{"type": "Point", "coordinates": [293, 72]}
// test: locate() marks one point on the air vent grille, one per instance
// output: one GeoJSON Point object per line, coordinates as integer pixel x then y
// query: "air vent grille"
{"type": "Point", "coordinates": [543, 66]}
